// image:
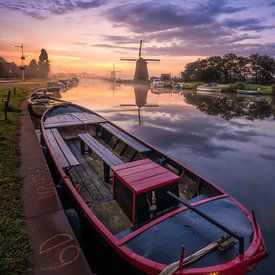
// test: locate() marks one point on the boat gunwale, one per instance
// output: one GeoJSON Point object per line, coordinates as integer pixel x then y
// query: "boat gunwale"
{"type": "Point", "coordinates": [240, 262]}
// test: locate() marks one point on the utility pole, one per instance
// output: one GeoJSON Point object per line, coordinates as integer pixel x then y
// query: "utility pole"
{"type": "Point", "coordinates": [22, 67]}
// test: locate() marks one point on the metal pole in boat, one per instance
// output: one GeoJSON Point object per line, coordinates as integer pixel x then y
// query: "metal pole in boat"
{"type": "Point", "coordinates": [211, 220]}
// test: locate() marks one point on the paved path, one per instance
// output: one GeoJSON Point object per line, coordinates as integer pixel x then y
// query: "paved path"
{"type": "Point", "coordinates": [54, 245]}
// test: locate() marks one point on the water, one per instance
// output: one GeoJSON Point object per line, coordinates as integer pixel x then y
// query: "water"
{"type": "Point", "coordinates": [229, 140]}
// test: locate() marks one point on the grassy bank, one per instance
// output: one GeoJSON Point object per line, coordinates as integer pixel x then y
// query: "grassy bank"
{"type": "Point", "coordinates": [15, 250]}
{"type": "Point", "coordinates": [245, 86]}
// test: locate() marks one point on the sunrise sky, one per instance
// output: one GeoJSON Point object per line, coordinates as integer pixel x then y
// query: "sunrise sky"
{"type": "Point", "coordinates": [91, 35]}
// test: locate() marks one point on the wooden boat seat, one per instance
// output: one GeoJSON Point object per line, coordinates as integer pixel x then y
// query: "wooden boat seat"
{"type": "Point", "coordinates": [62, 152]}
{"type": "Point", "coordinates": [128, 140]}
{"type": "Point", "coordinates": [71, 119]}
{"type": "Point", "coordinates": [109, 158]}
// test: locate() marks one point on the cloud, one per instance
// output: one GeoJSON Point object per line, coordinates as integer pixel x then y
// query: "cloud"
{"type": "Point", "coordinates": [245, 49]}
{"type": "Point", "coordinates": [154, 16]}
{"type": "Point", "coordinates": [109, 46]}
{"type": "Point", "coordinates": [247, 24]}
{"type": "Point", "coordinates": [43, 8]}
{"type": "Point", "coordinates": [187, 28]}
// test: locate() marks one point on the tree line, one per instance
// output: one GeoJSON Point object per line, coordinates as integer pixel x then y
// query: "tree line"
{"type": "Point", "coordinates": [231, 68]}
{"type": "Point", "coordinates": [40, 69]}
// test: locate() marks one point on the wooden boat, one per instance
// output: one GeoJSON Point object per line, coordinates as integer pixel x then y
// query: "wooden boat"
{"type": "Point", "coordinates": [250, 92]}
{"type": "Point", "coordinates": [38, 104]}
{"type": "Point", "coordinates": [156, 213]}
{"type": "Point", "coordinates": [211, 87]}
{"type": "Point", "coordinates": [50, 91]}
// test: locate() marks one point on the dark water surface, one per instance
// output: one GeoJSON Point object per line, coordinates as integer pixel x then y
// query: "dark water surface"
{"type": "Point", "coordinates": [229, 140]}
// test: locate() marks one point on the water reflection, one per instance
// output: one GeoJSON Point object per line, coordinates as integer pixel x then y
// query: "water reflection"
{"type": "Point", "coordinates": [229, 140]}
{"type": "Point", "coordinates": [141, 92]}
{"type": "Point", "coordinates": [228, 107]}
{"type": "Point", "coordinates": [114, 86]}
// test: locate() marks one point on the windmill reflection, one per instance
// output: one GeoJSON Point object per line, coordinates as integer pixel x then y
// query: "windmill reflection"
{"type": "Point", "coordinates": [229, 107]}
{"type": "Point", "coordinates": [141, 92]}
{"type": "Point", "coordinates": [115, 86]}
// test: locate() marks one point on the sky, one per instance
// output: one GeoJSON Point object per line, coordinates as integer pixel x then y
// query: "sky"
{"type": "Point", "coordinates": [91, 35]}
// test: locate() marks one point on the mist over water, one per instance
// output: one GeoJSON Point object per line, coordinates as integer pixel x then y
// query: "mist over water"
{"type": "Point", "coordinates": [229, 140]}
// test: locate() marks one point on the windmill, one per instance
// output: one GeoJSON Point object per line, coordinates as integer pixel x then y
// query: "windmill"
{"type": "Point", "coordinates": [141, 72]}
{"type": "Point", "coordinates": [113, 73]}
{"type": "Point", "coordinates": [141, 92]}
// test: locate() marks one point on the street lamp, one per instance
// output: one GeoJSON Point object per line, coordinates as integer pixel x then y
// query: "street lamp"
{"type": "Point", "coordinates": [22, 67]}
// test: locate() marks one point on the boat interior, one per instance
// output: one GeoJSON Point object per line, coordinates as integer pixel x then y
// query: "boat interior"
{"type": "Point", "coordinates": [136, 191]}
{"type": "Point", "coordinates": [87, 166]}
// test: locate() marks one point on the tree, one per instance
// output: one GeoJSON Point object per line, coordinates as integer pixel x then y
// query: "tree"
{"type": "Point", "coordinates": [43, 64]}
{"type": "Point", "coordinates": [32, 69]}
{"type": "Point", "coordinates": [192, 71]}
{"type": "Point", "coordinates": [263, 68]}
{"type": "Point", "coordinates": [231, 68]}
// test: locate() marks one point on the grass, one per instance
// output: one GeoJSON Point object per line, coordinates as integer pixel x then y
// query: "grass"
{"type": "Point", "coordinates": [245, 86]}
{"type": "Point", "coordinates": [15, 249]}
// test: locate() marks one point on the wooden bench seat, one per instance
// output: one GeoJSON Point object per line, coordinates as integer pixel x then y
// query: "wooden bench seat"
{"type": "Point", "coordinates": [61, 150]}
{"type": "Point", "coordinates": [72, 119]}
{"type": "Point", "coordinates": [109, 158]}
{"type": "Point", "coordinates": [128, 140]}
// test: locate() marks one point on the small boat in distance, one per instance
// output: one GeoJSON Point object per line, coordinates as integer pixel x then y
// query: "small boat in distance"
{"type": "Point", "coordinates": [157, 83]}
{"type": "Point", "coordinates": [209, 87]}
{"type": "Point", "coordinates": [152, 211]}
{"type": "Point", "coordinates": [250, 92]}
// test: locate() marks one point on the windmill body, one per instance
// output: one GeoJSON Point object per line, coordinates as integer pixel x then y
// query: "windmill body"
{"type": "Point", "coordinates": [114, 72]}
{"type": "Point", "coordinates": [141, 72]}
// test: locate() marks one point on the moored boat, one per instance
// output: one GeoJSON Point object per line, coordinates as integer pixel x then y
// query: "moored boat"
{"type": "Point", "coordinates": [155, 213]}
{"type": "Point", "coordinates": [250, 92]}
{"type": "Point", "coordinates": [38, 104]}
{"type": "Point", "coordinates": [210, 87]}
{"type": "Point", "coordinates": [52, 91]}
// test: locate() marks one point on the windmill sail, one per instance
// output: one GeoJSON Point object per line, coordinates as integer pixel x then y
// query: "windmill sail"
{"type": "Point", "coordinates": [141, 72]}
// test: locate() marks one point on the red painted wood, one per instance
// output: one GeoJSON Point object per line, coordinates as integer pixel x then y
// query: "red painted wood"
{"type": "Point", "coordinates": [131, 164]}
{"type": "Point", "coordinates": [154, 182]}
{"type": "Point", "coordinates": [136, 169]}
{"type": "Point", "coordinates": [144, 175]}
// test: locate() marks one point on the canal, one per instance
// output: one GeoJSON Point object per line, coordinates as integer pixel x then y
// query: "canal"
{"type": "Point", "coordinates": [229, 140]}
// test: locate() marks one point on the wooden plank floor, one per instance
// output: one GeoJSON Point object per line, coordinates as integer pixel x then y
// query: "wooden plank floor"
{"type": "Point", "coordinates": [95, 191]}
{"type": "Point", "coordinates": [90, 176]}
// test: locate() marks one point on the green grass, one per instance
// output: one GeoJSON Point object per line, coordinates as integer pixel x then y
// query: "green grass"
{"type": "Point", "coordinates": [15, 249]}
{"type": "Point", "coordinates": [247, 86]}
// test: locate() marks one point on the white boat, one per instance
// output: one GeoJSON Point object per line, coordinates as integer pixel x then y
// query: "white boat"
{"type": "Point", "coordinates": [251, 92]}
{"type": "Point", "coordinates": [157, 83]}
{"type": "Point", "coordinates": [209, 87]}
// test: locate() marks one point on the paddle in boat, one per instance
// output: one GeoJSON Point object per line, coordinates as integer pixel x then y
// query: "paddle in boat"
{"type": "Point", "coordinates": [152, 211]}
